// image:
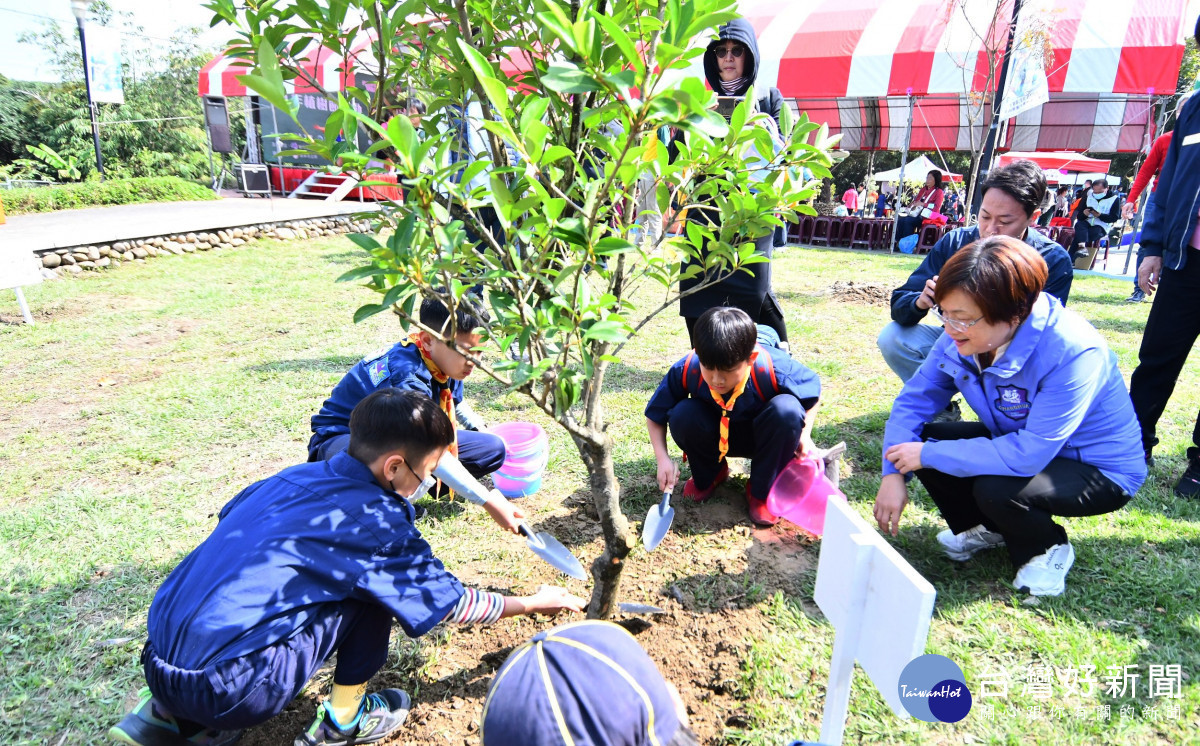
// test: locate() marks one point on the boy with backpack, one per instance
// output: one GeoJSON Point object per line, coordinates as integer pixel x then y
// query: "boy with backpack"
{"type": "Point", "coordinates": [736, 394]}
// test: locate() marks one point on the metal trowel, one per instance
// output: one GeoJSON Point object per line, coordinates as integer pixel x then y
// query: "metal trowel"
{"type": "Point", "coordinates": [658, 522]}
{"type": "Point", "coordinates": [551, 549]}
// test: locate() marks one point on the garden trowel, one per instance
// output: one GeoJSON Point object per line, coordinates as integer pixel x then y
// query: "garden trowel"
{"type": "Point", "coordinates": [658, 522]}
{"type": "Point", "coordinates": [551, 549]}
{"type": "Point", "coordinates": [640, 609]}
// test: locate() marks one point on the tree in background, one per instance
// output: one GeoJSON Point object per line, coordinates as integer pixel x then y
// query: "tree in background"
{"type": "Point", "coordinates": [157, 131]}
{"type": "Point", "coordinates": [522, 185]}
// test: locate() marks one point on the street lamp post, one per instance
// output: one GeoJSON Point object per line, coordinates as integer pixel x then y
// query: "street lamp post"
{"type": "Point", "coordinates": [80, 8]}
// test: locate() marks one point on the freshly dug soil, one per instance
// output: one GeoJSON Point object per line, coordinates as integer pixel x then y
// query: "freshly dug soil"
{"type": "Point", "coordinates": [709, 575]}
{"type": "Point", "coordinates": [865, 293]}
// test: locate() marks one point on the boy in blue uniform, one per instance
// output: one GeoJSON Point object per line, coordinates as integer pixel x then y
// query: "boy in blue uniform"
{"type": "Point", "coordinates": [732, 397]}
{"type": "Point", "coordinates": [427, 364]}
{"type": "Point", "coordinates": [313, 561]}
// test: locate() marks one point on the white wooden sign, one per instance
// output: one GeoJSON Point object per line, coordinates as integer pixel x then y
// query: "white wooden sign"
{"type": "Point", "coordinates": [19, 268]}
{"type": "Point", "coordinates": [880, 608]}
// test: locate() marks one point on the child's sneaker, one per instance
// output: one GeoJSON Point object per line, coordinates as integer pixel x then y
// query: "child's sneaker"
{"type": "Point", "coordinates": [964, 546]}
{"type": "Point", "coordinates": [1046, 574]}
{"type": "Point", "coordinates": [382, 714]}
{"type": "Point", "coordinates": [149, 725]}
{"type": "Point", "coordinates": [700, 495]}
{"type": "Point", "coordinates": [760, 515]}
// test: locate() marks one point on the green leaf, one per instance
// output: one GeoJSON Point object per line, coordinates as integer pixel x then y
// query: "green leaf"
{"type": "Point", "coordinates": [366, 312]}
{"type": "Point", "coordinates": [567, 78]}
{"type": "Point", "coordinates": [267, 80]}
{"type": "Point", "coordinates": [607, 331]}
{"type": "Point", "coordinates": [617, 35]}
{"type": "Point", "coordinates": [364, 241]}
{"type": "Point", "coordinates": [359, 273]}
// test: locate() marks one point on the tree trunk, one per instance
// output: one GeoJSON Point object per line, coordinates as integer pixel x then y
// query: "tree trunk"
{"type": "Point", "coordinates": [618, 541]}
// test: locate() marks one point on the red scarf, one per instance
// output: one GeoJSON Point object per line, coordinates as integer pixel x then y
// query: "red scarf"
{"type": "Point", "coordinates": [445, 398]}
{"type": "Point", "coordinates": [727, 407]}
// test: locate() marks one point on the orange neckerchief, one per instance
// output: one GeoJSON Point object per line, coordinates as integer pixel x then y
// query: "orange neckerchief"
{"type": "Point", "coordinates": [445, 399]}
{"type": "Point", "coordinates": [727, 407]}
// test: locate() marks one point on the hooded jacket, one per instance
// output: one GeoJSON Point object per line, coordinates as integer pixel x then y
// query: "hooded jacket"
{"type": "Point", "coordinates": [740, 30]}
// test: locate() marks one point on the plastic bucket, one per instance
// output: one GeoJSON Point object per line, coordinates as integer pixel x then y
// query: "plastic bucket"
{"type": "Point", "coordinates": [527, 449]}
{"type": "Point", "coordinates": [800, 494]}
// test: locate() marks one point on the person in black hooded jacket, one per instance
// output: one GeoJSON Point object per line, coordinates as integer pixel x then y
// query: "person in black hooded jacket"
{"type": "Point", "coordinates": [731, 66]}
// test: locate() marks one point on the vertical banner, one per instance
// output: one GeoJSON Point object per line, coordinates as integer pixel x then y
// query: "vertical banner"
{"type": "Point", "coordinates": [1026, 87]}
{"type": "Point", "coordinates": [104, 64]}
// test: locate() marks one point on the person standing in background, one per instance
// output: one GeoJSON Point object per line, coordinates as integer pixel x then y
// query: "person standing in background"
{"type": "Point", "coordinates": [1148, 171]}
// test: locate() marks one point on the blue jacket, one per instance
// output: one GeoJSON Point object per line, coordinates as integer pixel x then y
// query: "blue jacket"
{"type": "Point", "coordinates": [1056, 392]}
{"type": "Point", "coordinates": [904, 298]}
{"type": "Point", "coordinates": [789, 377]}
{"type": "Point", "coordinates": [1177, 198]}
{"type": "Point", "coordinates": [284, 551]}
{"type": "Point", "coordinates": [399, 367]}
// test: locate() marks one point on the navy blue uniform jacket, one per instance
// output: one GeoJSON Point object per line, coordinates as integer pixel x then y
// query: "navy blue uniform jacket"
{"type": "Point", "coordinates": [904, 298]}
{"type": "Point", "coordinates": [399, 367]}
{"type": "Point", "coordinates": [284, 550]}
{"type": "Point", "coordinates": [791, 377]}
{"type": "Point", "coordinates": [1169, 230]}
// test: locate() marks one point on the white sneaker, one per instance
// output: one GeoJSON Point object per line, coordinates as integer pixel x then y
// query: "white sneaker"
{"type": "Point", "coordinates": [962, 547]}
{"type": "Point", "coordinates": [1046, 574]}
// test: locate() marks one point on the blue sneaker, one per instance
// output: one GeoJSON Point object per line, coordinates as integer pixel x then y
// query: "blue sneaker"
{"type": "Point", "coordinates": [381, 714]}
{"type": "Point", "coordinates": [149, 725]}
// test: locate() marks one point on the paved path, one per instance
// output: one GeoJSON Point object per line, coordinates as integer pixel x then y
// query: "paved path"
{"type": "Point", "coordinates": [104, 225]}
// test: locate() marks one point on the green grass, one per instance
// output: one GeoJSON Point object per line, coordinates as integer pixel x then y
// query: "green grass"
{"type": "Point", "coordinates": [145, 398]}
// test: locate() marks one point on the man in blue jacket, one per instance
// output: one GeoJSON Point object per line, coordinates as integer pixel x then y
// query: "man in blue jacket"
{"type": "Point", "coordinates": [1011, 198]}
{"type": "Point", "coordinates": [1170, 241]}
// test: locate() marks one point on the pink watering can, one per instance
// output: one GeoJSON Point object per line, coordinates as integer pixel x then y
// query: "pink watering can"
{"type": "Point", "coordinates": [800, 493]}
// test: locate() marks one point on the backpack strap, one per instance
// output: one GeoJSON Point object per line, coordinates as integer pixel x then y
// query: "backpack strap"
{"type": "Point", "coordinates": [764, 371]}
{"type": "Point", "coordinates": [687, 370]}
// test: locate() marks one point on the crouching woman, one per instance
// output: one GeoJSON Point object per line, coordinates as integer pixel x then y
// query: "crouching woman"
{"type": "Point", "coordinates": [1056, 435]}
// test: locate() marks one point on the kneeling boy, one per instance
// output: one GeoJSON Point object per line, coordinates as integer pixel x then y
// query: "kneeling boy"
{"type": "Point", "coordinates": [313, 561]}
{"type": "Point", "coordinates": [427, 364]}
{"type": "Point", "coordinates": [732, 396]}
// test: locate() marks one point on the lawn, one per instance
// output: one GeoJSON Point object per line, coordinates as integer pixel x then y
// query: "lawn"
{"type": "Point", "coordinates": [145, 398]}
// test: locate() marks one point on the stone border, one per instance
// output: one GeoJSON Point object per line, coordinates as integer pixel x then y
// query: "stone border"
{"type": "Point", "coordinates": [74, 260]}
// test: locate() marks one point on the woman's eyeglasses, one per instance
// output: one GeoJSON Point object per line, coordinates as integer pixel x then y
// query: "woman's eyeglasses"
{"type": "Point", "coordinates": [955, 324]}
{"type": "Point", "coordinates": [734, 52]}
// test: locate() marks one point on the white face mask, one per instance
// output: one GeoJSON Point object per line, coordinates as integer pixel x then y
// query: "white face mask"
{"type": "Point", "coordinates": [426, 484]}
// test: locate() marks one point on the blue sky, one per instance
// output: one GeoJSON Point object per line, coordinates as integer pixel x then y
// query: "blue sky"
{"type": "Point", "coordinates": [159, 18]}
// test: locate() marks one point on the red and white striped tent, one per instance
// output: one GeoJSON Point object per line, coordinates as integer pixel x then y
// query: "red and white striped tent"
{"type": "Point", "coordinates": [854, 63]}
{"type": "Point", "coordinates": [323, 70]}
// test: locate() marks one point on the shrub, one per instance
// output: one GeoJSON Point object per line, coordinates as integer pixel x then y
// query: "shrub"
{"type": "Point", "coordinates": [98, 193]}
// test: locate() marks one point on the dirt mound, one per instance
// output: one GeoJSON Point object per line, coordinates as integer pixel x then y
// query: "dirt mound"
{"type": "Point", "coordinates": [866, 293]}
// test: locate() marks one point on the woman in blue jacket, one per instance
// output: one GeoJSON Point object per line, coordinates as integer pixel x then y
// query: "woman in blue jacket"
{"type": "Point", "coordinates": [1056, 434]}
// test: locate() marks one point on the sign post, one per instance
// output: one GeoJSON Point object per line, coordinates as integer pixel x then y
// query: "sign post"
{"type": "Point", "coordinates": [880, 608]}
{"type": "Point", "coordinates": [18, 268]}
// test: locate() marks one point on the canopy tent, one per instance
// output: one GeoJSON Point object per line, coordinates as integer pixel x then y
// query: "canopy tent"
{"type": "Point", "coordinates": [322, 70]}
{"type": "Point", "coordinates": [1058, 161]}
{"type": "Point", "coordinates": [915, 170]}
{"type": "Point", "coordinates": [853, 64]}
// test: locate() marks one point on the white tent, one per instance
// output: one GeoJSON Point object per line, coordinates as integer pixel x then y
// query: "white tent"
{"type": "Point", "coordinates": [914, 170]}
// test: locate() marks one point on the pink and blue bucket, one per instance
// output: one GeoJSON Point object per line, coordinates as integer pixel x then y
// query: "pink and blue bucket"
{"type": "Point", "coordinates": [527, 449]}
